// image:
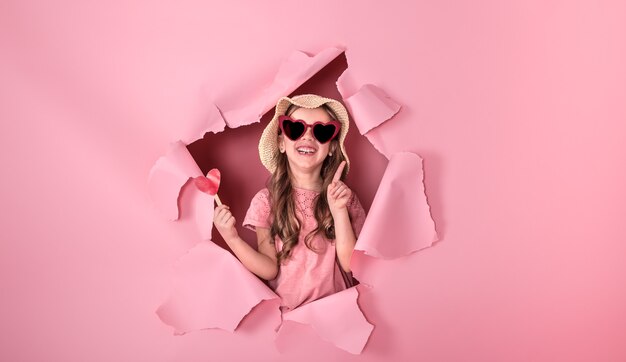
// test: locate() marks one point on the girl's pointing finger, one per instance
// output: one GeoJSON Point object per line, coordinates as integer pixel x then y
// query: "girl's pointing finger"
{"type": "Point", "coordinates": [337, 175]}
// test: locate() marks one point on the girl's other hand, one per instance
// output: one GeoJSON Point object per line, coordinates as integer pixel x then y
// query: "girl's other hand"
{"type": "Point", "coordinates": [224, 222]}
{"type": "Point", "coordinates": [338, 193]}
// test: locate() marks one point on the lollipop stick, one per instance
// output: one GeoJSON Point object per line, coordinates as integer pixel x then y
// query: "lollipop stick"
{"type": "Point", "coordinates": [217, 199]}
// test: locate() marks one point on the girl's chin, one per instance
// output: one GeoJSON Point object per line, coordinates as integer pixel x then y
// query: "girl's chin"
{"type": "Point", "coordinates": [306, 163]}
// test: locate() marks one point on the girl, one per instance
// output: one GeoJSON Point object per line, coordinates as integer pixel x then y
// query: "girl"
{"type": "Point", "coordinates": [306, 220]}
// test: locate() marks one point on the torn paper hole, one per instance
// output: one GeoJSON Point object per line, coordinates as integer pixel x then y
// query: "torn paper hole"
{"type": "Point", "coordinates": [183, 310]}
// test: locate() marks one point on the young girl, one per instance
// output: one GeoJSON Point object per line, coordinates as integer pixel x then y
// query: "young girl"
{"type": "Point", "coordinates": [306, 220]}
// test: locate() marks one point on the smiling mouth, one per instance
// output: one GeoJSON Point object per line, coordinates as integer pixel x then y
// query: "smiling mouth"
{"type": "Point", "coordinates": [306, 150]}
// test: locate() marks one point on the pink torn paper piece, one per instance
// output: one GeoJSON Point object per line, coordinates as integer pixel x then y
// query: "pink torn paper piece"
{"type": "Point", "coordinates": [336, 318]}
{"type": "Point", "coordinates": [370, 107]}
{"type": "Point", "coordinates": [212, 290]}
{"type": "Point", "coordinates": [293, 72]}
{"type": "Point", "coordinates": [212, 122]}
{"type": "Point", "coordinates": [167, 177]}
{"type": "Point", "coordinates": [399, 221]}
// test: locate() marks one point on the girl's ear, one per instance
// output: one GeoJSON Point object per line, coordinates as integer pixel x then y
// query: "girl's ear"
{"type": "Point", "coordinates": [281, 144]}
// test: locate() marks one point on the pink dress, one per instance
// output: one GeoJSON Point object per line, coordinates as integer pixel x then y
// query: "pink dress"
{"type": "Point", "coordinates": [306, 275]}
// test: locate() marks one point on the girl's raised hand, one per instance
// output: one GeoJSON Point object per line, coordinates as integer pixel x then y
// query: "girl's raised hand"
{"type": "Point", "coordinates": [338, 193]}
{"type": "Point", "coordinates": [224, 222]}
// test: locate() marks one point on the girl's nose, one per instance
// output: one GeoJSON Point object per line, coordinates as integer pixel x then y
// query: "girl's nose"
{"type": "Point", "coordinates": [308, 133]}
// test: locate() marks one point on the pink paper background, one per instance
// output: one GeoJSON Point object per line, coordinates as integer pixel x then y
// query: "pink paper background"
{"type": "Point", "coordinates": [517, 109]}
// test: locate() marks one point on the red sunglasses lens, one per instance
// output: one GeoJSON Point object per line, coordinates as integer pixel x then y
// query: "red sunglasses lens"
{"type": "Point", "coordinates": [292, 129]}
{"type": "Point", "coordinates": [324, 132]}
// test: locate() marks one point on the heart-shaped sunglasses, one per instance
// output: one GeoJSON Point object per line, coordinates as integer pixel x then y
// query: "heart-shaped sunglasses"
{"type": "Point", "coordinates": [295, 128]}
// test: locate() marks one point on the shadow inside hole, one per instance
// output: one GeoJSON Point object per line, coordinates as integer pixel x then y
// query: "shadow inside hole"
{"type": "Point", "coordinates": [235, 153]}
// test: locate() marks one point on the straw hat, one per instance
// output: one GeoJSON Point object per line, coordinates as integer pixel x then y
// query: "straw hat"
{"type": "Point", "coordinates": [268, 145]}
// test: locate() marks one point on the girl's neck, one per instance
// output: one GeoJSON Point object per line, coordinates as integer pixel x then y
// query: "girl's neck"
{"type": "Point", "coordinates": [306, 181]}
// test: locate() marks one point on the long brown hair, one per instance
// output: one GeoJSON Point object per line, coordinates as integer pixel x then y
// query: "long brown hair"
{"type": "Point", "coordinates": [285, 222]}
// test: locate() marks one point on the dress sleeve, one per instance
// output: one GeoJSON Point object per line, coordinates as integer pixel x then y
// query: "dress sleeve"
{"type": "Point", "coordinates": [259, 211]}
{"type": "Point", "coordinates": [357, 214]}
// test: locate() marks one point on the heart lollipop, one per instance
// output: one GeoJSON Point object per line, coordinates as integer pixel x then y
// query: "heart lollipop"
{"type": "Point", "coordinates": [209, 184]}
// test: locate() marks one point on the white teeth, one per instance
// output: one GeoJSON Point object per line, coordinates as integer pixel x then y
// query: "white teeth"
{"type": "Point", "coordinates": [306, 151]}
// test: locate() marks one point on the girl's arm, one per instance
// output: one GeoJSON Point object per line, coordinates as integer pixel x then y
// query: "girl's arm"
{"type": "Point", "coordinates": [262, 262]}
{"type": "Point", "coordinates": [344, 239]}
{"type": "Point", "coordinates": [338, 195]}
